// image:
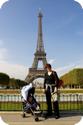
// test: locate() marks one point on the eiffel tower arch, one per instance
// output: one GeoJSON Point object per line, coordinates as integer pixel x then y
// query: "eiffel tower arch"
{"type": "Point", "coordinates": [39, 55]}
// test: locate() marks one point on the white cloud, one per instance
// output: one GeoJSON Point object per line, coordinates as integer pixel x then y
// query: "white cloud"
{"type": "Point", "coordinates": [80, 2]}
{"type": "Point", "coordinates": [2, 2]}
{"type": "Point", "coordinates": [62, 70]}
{"type": "Point", "coordinates": [20, 71]}
{"type": "Point", "coordinates": [14, 70]}
{"type": "Point", "coordinates": [51, 61]}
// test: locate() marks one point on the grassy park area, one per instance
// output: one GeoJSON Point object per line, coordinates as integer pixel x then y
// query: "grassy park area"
{"type": "Point", "coordinates": [17, 106]}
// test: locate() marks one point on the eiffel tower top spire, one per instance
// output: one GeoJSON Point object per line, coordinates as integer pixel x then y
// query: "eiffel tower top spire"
{"type": "Point", "coordinates": [40, 46]}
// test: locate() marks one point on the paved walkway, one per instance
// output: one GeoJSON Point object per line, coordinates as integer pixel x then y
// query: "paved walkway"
{"type": "Point", "coordinates": [13, 118]}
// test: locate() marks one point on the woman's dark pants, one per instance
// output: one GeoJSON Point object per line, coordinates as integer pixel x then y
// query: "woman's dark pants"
{"type": "Point", "coordinates": [49, 104]}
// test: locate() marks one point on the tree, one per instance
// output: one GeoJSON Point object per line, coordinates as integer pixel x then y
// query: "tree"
{"type": "Point", "coordinates": [4, 80]}
{"type": "Point", "coordinates": [12, 83]}
{"type": "Point", "coordinates": [74, 77]}
{"type": "Point", "coordinates": [16, 83]}
{"type": "Point", "coordinates": [20, 83]}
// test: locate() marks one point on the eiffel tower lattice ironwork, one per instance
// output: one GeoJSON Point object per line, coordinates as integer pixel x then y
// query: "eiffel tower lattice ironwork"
{"type": "Point", "coordinates": [39, 55]}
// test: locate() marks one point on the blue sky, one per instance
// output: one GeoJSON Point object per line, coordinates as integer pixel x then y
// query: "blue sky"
{"type": "Point", "coordinates": [62, 34]}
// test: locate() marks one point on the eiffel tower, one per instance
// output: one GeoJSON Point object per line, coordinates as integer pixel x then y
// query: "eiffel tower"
{"type": "Point", "coordinates": [39, 55]}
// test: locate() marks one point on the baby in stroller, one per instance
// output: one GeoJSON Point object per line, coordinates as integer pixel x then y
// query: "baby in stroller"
{"type": "Point", "coordinates": [30, 105]}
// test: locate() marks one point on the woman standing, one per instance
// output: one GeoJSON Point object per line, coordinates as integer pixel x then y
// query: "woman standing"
{"type": "Point", "coordinates": [51, 82]}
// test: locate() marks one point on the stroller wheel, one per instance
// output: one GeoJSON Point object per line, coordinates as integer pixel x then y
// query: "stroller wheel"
{"type": "Point", "coordinates": [36, 119]}
{"type": "Point", "coordinates": [23, 115]}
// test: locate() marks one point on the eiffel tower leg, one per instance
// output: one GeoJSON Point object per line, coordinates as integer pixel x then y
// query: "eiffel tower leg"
{"type": "Point", "coordinates": [44, 62]}
{"type": "Point", "coordinates": [35, 63]}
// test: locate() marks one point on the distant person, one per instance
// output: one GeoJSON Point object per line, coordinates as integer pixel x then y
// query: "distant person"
{"type": "Point", "coordinates": [51, 82]}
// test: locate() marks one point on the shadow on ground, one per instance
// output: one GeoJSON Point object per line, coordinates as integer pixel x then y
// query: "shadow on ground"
{"type": "Point", "coordinates": [63, 114]}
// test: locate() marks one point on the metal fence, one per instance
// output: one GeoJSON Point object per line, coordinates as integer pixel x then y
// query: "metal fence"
{"type": "Point", "coordinates": [67, 102]}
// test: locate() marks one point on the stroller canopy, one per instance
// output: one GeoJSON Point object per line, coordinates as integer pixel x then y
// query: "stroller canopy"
{"type": "Point", "coordinates": [24, 91]}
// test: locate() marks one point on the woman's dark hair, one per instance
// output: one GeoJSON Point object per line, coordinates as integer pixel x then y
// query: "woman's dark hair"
{"type": "Point", "coordinates": [48, 66]}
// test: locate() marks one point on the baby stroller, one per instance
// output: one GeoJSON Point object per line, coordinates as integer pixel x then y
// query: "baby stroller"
{"type": "Point", "coordinates": [30, 105]}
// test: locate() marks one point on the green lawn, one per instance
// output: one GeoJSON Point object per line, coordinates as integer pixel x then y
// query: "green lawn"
{"type": "Point", "coordinates": [17, 106]}
{"type": "Point", "coordinates": [71, 91]}
{"type": "Point", "coordinates": [10, 106]}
